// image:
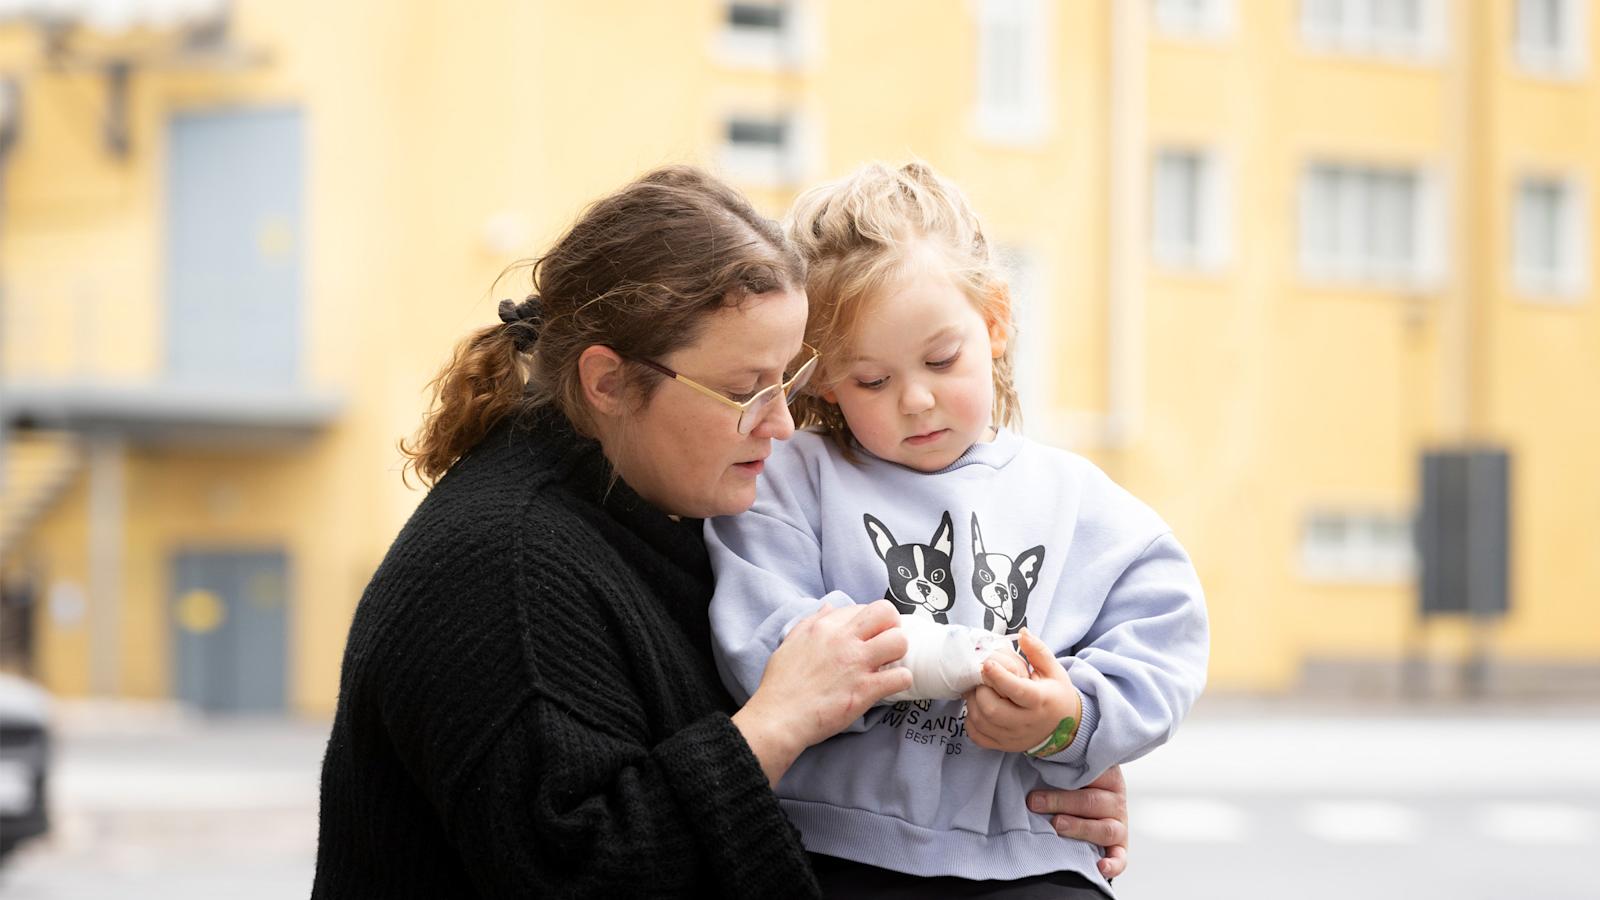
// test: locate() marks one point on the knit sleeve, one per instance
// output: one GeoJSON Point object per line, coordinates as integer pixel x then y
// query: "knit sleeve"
{"type": "Point", "coordinates": [1140, 667]}
{"type": "Point", "coordinates": [564, 806]}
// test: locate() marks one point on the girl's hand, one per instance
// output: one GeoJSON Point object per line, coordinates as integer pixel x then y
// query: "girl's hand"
{"type": "Point", "coordinates": [1097, 813]}
{"type": "Point", "coordinates": [1011, 661]}
{"type": "Point", "coordinates": [1015, 713]}
{"type": "Point", "coordinates": [825, 675]}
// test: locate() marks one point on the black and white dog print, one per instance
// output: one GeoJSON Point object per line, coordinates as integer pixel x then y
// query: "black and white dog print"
{"type": "Point", "coordinates": [1003, 584]}
{"type": "Point", "coordinates": [919, 574]}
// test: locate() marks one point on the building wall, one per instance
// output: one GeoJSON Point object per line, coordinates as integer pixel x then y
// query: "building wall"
{"type": "Point", "coordinates": [441, 147]}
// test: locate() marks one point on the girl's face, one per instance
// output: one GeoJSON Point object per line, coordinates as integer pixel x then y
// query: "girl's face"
{"type": "Point", "coordinates": [683, 452]}
{"type": "Point", "coordinates": [919, 389]}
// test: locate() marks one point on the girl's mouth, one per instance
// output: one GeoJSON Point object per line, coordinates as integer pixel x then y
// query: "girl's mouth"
{"type": "Point", "coordinates": [918, 440]}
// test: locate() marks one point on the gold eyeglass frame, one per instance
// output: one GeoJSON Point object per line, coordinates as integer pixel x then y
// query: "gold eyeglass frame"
{"type": "Point", "coordinates": [759, 400]}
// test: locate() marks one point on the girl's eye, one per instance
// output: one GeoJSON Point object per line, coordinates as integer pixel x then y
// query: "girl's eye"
{"type": "Point", "coordinates": [871, 385]}
{"type": "Point", "coordinates": [945, 363]}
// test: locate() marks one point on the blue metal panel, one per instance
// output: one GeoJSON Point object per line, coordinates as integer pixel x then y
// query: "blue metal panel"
{"type": "Point", "coordinates": [234, 247]}
{"type": "Point", "coordinates": [229, 626]}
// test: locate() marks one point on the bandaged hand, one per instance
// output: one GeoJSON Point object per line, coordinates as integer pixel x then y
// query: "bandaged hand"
{"type": "Point", "coordinates": [946, 661]}
{"type": "Point", "coordinates": [1016, 712]}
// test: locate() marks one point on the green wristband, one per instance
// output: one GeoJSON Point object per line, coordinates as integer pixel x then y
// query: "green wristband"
{"type": "Point", "coordinates": [1058, 740]}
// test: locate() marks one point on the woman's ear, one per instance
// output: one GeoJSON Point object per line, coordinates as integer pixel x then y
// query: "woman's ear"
{"type": "Point", "coordinates": [998, 320]}
{"type": "Point", "coordinates": [601, 373]}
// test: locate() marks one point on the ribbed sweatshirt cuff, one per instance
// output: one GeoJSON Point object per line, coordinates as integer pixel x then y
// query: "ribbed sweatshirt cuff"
{"type": "Point", "coordinates": [719, 781]}
{"type": "Point", "coordinates": [1076, 753]}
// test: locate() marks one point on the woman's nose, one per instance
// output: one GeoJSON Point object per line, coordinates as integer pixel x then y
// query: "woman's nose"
{"type": "Point", "coordinates": [777, 424]}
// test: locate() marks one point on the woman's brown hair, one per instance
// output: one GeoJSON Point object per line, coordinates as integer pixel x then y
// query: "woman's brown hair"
{"type": "Point", "coordinates": [638, 272]}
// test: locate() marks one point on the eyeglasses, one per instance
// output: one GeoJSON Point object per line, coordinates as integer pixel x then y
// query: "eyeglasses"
{"type": "Point", "coordinates": [751, 411]}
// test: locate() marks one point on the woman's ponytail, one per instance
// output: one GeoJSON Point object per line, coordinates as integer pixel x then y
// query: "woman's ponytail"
{"type": "Point", "coordinates": [483, 382]}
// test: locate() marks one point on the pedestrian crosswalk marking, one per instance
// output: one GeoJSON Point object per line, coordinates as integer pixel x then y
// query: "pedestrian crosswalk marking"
{"type": "Point", "coordinates": [1204, 820]}
{"type": "Point", "coordinates": [1190, 821]}
{"type": "Point", "coordinates": [1362, 822]}
{"type": "Point", "coordinates": [1539, 823]}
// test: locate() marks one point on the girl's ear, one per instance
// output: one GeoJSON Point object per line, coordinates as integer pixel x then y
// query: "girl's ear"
{"type": "Point", "coordinates": [831, 397]}
{"type": "Point", "coordinates": [998, 319]}
{"type": "Point", "coordinates": [600, 371]}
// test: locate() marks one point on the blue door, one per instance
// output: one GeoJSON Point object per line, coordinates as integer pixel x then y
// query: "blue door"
{"type": "Point", "coordinates": [234, 248]}
{"type": "Point", "coordinates": [229, 624]}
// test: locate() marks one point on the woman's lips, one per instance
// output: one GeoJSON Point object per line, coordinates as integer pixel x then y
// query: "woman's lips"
{"type": "Point", "coordinates": [752, 467]}
{"type": "Point", "coordinates": [918, 440]}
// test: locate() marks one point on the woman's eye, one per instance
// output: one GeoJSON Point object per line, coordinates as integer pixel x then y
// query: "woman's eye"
{"type": "Point", "coordinates": [745, 395]}
{"type": "Point", "coordinates": [945, 363]}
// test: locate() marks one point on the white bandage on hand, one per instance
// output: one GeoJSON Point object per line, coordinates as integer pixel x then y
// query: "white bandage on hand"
{"type": "Point", "coordinates": [945, 661]}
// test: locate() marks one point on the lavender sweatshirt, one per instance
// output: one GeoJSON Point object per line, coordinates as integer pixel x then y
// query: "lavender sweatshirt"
{"type": "Point", "coordinates": [1013, 534]}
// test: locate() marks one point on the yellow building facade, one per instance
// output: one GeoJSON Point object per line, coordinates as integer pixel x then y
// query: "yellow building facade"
{"type": "Point", "coordinates": [1265, 253]}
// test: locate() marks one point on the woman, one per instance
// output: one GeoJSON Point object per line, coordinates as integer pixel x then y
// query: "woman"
{"type": "Point", "coordinates": [528, 702]}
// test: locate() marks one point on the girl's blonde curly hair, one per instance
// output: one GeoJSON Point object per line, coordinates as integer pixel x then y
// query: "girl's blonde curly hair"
{"type": "Point", "coordinates": [859, 236]}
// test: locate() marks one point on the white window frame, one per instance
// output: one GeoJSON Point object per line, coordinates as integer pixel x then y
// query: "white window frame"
{"type": "Point", "coordinates": [1371, 547]}
{"type": "Point", "coordinates": [1570, 59]}
{"type": "Point", "coordinates": [1036, 355]}
{"type": "Point", "coordinates": [1025, 118]}
{"type": "Point", "coordinates": [1358, 193]}
{"type": "Point", "coordinates": [1212, 246]}
{"type": "Point", "coordinates": [1194, 19]}
{"type": "Point", "coordinates": [1355, 30]}
{"type": "Point", "coordinates": [795, 43]}
{"type": "Point", "coordinates": [1571, 281]}
{"type": "Point", "coordinates": [787, 164]}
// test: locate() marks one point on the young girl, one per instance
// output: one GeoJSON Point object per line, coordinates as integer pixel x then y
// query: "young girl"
{"type": "Point", "coordinates": [910, 487]}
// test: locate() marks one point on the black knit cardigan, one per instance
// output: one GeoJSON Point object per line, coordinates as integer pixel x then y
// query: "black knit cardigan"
{"type": "Point", "coordinates": [528, 705]}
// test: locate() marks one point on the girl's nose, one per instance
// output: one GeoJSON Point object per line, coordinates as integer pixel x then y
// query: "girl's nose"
{"type": "Point", "coordinates": [915, 398]}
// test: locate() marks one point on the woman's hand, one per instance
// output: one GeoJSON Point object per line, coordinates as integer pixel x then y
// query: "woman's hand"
{"type": "Point", "coordinates": [1016, 712]}
{"type": "Point", "coordinates": [1097, 813]}
{"type": "Point", "coordinates": [825, 675]}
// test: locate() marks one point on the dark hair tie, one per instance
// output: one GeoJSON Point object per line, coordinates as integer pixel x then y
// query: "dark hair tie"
{"type": "Point", "coordinates": [523, 320]}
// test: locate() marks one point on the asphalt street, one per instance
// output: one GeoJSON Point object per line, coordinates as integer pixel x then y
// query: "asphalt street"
{"type": "Point", "coordinates": [1267, 800]}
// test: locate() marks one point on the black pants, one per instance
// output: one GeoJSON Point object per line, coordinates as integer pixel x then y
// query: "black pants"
{"type": "Point", "coordinates": [845, 880]}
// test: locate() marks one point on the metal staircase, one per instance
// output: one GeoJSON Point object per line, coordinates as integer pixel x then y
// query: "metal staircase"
{"type": "Point", "coordinates": [38, 468]}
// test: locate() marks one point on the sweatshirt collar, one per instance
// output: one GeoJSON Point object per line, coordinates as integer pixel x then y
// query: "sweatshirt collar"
{"type": "Point", "coordinates": [995, 454]}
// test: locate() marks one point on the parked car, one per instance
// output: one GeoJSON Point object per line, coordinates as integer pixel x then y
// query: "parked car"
{"type": "Point", "coordinates": [24, 761]}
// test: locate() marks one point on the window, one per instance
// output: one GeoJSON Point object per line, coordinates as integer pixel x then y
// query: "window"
{"type": "Point", "coordinates": [1194, 18]}
{"type": "Point", "coordinates": [1035, 355]}
{"type": "Point", "coordinates": [764, 150]}
{"type": "Point", "coordinates": [1550, 35]}
{"type": "Point", "coordinates": [1368, 224]}
{"type": "Point", "coordinates": [1408, 29]}
{"type": "Point", "coordinates": [1189, 222]}
{"type": "Point", "coordinates": [1012, 70]}
{"type": "Point", "coordinates": [1549, 239]}
{"type": "Point", "coordinates": [765, 33]}
{"type": "Point", "coordinates": [1346, 546]}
